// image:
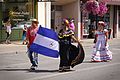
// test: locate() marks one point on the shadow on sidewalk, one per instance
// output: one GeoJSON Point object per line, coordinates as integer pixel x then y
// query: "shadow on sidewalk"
{"type": "Point", "coordinates": [13, 43]}
{"type": "Point", "coordinates": [28, 70]}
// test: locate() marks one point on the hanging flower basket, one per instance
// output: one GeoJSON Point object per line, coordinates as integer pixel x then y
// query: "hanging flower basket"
{"type": "Point", "coordinates": [103, 9]}
{"type": "Point", "coordinates": [93, 6]}
{"type": "Point", "coordinates": [88, 6]}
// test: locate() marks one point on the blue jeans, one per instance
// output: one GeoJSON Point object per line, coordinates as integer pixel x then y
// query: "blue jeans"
{"type": "Point", "coordinates": [23, 37]}
{"type": "Point", "coordinates": [33, 58]}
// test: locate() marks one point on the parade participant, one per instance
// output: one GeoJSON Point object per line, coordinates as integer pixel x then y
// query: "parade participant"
{"type": "Point", "coordinates": [65, 36]}
{"type": "Point", "coordinates": [31, 34]}
{"type": "Point", "coordinates": [101, 52]}
{"type": "Point", "coordinates": [8, 31]}
{"type": "Point", "coordinates": [72, 25]}
{"type": "Point", "coordinates": [24, 34]}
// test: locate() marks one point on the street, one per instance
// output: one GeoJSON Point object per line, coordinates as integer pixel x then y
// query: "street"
{"type": "Point", "coordinates": [14, 64]}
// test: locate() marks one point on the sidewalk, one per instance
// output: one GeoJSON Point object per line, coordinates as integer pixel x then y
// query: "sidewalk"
{"type": "Point", "coordinates": [17, 46]}
{"type": "Point", "coordinates": [14, 47]}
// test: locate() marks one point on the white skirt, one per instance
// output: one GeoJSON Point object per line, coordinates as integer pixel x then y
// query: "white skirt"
{"type": "Point", "coordinates": [101, 52]}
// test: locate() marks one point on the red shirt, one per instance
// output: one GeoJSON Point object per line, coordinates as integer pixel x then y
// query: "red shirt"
{"type": "Point", "coordinates": [31, 34]}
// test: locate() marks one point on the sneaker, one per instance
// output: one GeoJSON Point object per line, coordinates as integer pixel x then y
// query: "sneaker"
{"type": "Point", "coordinates": [33, 67]}
{"type": "Point", "coordinates": [9, 42]}
{"type": "Point", "coordinates": [6, 42]}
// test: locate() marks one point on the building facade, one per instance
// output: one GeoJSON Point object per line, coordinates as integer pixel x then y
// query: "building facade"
{"type": "Point", "coordinates": [51, 12]}
{"type": "Point", "coordinates": [114, 16]}
{"type": "Point", "coordinates": [73, 9]}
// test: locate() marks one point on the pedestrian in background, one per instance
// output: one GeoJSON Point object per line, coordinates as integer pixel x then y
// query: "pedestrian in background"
{"type": "Point", "coordinates": [24, 34]}
{"type": "Point", "coordinates": [31, 34]}
{"type": "Point", "coordinates": [8, 31]}
{"type": "Point", "coordinates": [101, 52]}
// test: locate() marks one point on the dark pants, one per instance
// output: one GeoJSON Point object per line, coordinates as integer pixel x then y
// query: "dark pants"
{"type": "Point", "coordinates": [8, 35]}
{"type": "Point", "coordinates": [64, 54]}
{"type": "Point", "coordinates": [7, 38]}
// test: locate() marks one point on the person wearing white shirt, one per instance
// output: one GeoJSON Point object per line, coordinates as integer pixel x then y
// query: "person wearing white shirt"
{"type": "Point", "coordinates": [8, 31]}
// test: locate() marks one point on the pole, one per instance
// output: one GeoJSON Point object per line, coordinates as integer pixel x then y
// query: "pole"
{"type": "Point", "coordinates": [32, 8]}
{"type": "Point", "coordinates": [96, 21]}
{"type": "Point", "coordinates": [81, 20]}
{"type": "Point", "coordinates": [1, 19]}
{"type": "Point", "coordinates": [35, 5]}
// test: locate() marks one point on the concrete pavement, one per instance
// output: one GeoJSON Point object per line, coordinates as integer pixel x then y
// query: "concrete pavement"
{"type": "Point", "coordinates": [15, 66]}
{"type": "Point", "coordinates": [17, 46]}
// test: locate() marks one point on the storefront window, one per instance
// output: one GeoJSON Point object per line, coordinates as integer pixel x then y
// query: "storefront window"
{"type": "Point", "coordinates": [17, 11]}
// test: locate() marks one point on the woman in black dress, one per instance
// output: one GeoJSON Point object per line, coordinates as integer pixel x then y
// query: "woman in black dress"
{"type": "Point", "coordinates": [65, 36]}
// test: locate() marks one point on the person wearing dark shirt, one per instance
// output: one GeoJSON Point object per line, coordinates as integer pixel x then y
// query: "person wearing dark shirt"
{"type": "Point", "coordinates": [65, 35]}
{"type": "Point", "coordinates": [24, 34]}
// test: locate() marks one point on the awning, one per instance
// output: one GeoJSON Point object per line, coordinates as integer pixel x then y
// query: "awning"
{"type": "Point", "coordinates": [113, 2]}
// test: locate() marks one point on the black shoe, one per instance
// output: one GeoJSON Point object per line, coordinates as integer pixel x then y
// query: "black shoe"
{"type": "Point", "coordinates": [60, 69]}
{"type": "Point", "coordinates": [66, 68]}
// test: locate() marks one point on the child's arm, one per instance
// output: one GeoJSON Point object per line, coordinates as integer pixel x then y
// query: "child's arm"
{"type": "Point", "coordinates": [106, 34]}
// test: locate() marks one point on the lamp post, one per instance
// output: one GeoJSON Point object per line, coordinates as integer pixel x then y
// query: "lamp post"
{"type": "Point", "coordinates": [96, 19]}
{"type": "Point", "coordinates": [81, 20]}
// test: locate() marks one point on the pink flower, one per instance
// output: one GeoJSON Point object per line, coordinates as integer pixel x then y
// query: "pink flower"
{"type": "Point", "coordinates": [89, 6]}
{"type": "Point", "coordinates": [103, 9]}
{"type": "Point", "coordinates": [96, 8]}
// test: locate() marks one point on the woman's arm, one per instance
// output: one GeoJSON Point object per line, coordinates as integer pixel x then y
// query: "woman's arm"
{"type": "Point", "coordinates": [76, 40]}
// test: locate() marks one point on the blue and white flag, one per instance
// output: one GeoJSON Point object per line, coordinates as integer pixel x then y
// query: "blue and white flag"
{"type": "Point", "coordinates": [46, 43]}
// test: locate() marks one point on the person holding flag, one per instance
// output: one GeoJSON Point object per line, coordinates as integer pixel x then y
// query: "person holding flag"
{"type": "Point", "coordinates": [45, 42]}
{"type": "Point", "coordinates": [31, 34]}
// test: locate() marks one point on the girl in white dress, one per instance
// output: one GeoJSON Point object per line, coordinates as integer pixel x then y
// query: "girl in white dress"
{"type": "Point", "coordinates": [101, 52]}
